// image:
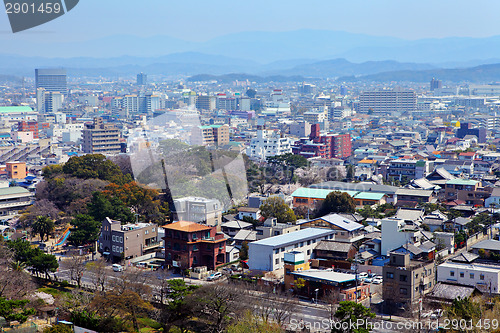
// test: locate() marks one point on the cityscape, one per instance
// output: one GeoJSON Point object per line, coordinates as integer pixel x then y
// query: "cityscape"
{"type": "Point", "coordinates": [250, 176]}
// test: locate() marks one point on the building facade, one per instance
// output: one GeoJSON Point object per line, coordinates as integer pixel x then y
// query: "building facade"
{"type": "Point", "coordinates": [101, 138]}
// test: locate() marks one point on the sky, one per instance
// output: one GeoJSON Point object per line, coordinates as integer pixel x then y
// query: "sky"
{"type": "Point", "coordinates": [201, 20]}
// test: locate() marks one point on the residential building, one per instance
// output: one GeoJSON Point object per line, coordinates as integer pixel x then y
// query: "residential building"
{"type": "Point", "coordinates": [387, 101]}
{"type": "Point", "coordinates": [101, 138]}
{"type": "Point", "coordinates": [210, 135]}
{"type": "Point", "coordinates": [28, 126]}
{"type": "Point", "coordinates": [467, 190]}
{"type": "Point", "coordinates": [202, 210]}
{"type": "Point", "coordinates": [206, 102]}
{"type": "Point", "coordinates": [484, 277]}
{"type": "Point", "coordinates": [127, 241]}
{"type": "Point", "coordinates": [323, 146]}
{"type": "Point", "coordinates": [344, 227]}
{"type": "Point", "coordinates": [268, 254]}
{"type": "Point", "coordinates": [395, 233]}
{"type": "Point", "coordinates": [271, 228]}
{"type": "Point", "coordinates": [16, 170]}
{"type": "Point", "coordinates": [312, 198]}
{"type": "Point", "coordinates": [406, 281]}
{"type": "Point", "coordinates": [268, 143]}
{"type": "Point", "coordinates": [412, 169]}
{"type": "Point", "coordinates": [142, 79]}
{"type": "Point", "coordinates": [190, 244]}
{"type": "Point", "coordinates": [466, 129]}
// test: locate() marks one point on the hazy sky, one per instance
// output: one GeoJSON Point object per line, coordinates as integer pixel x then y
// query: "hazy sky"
{"type": "Point", "coordinates": [202, 20]}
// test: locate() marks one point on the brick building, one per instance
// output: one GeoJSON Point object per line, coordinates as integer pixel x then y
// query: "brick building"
{"type": "Point", "coordinates": [323, 146]}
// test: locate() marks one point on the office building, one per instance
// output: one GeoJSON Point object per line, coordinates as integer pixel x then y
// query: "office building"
{"type": "Point", "coordinates": [387, 101]}
{"type": "Point", "coordinates": [101, 138]}
{"type": "Point", "coordinates": [436, 84]}
{"type": "Point", "coordinates": [206, 102]}
{"type": "Point", "coordinates": [52, 80]}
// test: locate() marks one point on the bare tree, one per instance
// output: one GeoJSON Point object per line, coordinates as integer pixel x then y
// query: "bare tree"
{"type": "Point", "coordinates": [98, 274]}
{"type": "Point", "coordinates": [331, 299]}
{"type": "Point", "coordinates": [76, 269]}
{"type": "Point", "coordinates": [14, 281]}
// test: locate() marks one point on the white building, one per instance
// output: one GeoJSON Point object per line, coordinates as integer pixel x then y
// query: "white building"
{"type": "Point", "coordinates": [486, 278]}
{"type": "Point", "coordinates": [269, 254]}
{"type": "Point", "coordinates": [395, 233]}
{"type": "Point", "coordinates": [268, 143]}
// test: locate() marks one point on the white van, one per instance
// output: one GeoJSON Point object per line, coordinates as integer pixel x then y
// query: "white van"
{"type": "Point", "coordinates": [117, 268]}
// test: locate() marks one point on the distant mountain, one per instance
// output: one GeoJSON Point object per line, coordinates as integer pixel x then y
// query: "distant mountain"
{"type": "Point", "coordinates": [227, 78]}
{"type": "Point", "coordinates": [269, 47]}
{"type": "Point", "coordinates": [478, 74]}
{"type": "Point", "coordinates": [342, 67]}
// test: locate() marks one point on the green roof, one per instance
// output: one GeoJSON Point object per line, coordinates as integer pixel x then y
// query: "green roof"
{"type": "Point", "coordinates": [7, 109]}
{"type": "Point", "coordinates": [369, 196]}
{"type": "Point", "coordinates": [462, 182]}
{"type": "Point", "coordinates": [317, 193]}
{"type": "Point", "coordinates": [13, 190]}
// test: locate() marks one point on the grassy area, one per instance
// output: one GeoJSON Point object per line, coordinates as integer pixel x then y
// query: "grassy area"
{"type": "Point", "coordinates": [149, 324]}
{"type": "Point", "coordinates": [56, 292]}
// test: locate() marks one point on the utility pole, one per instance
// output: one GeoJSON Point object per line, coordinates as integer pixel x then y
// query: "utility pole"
{"type": "Point", "coordinates": [356, 275]}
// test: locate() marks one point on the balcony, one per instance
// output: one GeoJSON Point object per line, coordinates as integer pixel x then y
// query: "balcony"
{"type": "Point", "coordinates": [151, 246]}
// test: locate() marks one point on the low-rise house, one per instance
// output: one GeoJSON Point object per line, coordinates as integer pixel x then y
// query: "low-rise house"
{"type": "Point", "coordinates": [369, 199]}
{"type": "Point", "coordinates": [334, 250]}
{"type": "Point", "coordinates": [344, 227]}
{"type": "Point", "coordinates": [485, 278]}
{"type": "Point", "coordinates": [127, 241]}
{"type": "Point", "coordinates": [468, 190]}
{"type": "Point", "coordinates": [231, 228]}
{"type": "Point", "coordinates": [268, 254]}
{"type": "Point", "coordinates": [486, 248]}
{"type": "Point", "coordinates": [250, 212]}
{"type": "Point", "coordinates": [271, 227]}
{"type": "Point", "coordinates": [413, 197]}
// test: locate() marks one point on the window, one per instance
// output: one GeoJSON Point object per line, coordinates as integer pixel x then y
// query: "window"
{"type": "Point", "coordinates": [308, 252]}
{"type": "Point", "coordinates": [309, 242]}
{"type": "Point", "coordinates": [481, 277]}
{"type": "Point", "coordinates": [296, 245]}
{"type": "Point", "coordinates": [195, 236]}
{"type": "Point", "coordinates": [277, 261]}
{"type": "Point", "coordinates": [471, 275]}
{"type": "Point", "coordinates": [390, 275]}
{"type": "Point", "coordinates": [282, 249]}
{"type": "Point", "coordinates": [403, 278]}
{"type": "Point", "coordinates": [403, 291]}
{"type": "Point", "coordinates": [301, 244]}
{"type": "Point", "coordinates": [195, 260]}
{"type": "Point", "coordinates": [462, 274]}
{"type": "Point", "coordinates": [452, 273]}
{"type": "Point", "coordinates": [276, 251]}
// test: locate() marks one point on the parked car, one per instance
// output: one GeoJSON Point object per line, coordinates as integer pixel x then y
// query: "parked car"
{"type": "Point", "coordinates": [117, 268]}
{"type": "Point", "coordinates": [368, 279]}
{"type": "Point", "coordinates": [378, 280]}
{"type": "Point", "coordinates": [362, 275]}
{"type": "Point", "coordinates": [214, 276]}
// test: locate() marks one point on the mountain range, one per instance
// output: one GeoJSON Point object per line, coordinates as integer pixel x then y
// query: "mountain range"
{"type": "Point", "coordinates": [303, 53]}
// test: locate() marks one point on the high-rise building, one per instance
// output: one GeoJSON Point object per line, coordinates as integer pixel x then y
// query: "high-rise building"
{"type": "Point", "coordinates": [52, 80]}
{"type": "Point", "coordinates": [101, 138]}
{"type": "Point", "coordinates": [53, 102]}
{"type": "Point", "coordinates": [142, 79]}
{"type": "Point", "coordinates": [387, 101]}
{"type": "Point", "coordinates": [436, 84]}
{"type": "Point", "coordinates": [206, 102]}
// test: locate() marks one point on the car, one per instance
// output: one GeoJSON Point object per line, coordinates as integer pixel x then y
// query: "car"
{"type": "Point", "coordinates": [368, 280]}
{"type": "Point", "coordinates": [214, 276]}
{"type": "Point", "coordinates": [362, 275]}
{"type": "Point", "coordinates": [117, 268]}
{"type": "Point", "coordinates": [378, 280]}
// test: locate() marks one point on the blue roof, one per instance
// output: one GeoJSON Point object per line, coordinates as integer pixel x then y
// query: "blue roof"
{"type": "Point", "coordinates": [294, 237]}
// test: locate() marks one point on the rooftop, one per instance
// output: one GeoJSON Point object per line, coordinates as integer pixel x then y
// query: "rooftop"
{"type": "Point", "coordinates": [325, 276]}
{"type": "Point", "coordinates": [294, 237]}
{"type": "Point", "coordinates": [186, 226]}
{"type": "Point", "coordinates": [339, 221]}
{"type": "Point", "coordinates": [459, 181]}
{"type": "Point", "coordinates": [316, 193]}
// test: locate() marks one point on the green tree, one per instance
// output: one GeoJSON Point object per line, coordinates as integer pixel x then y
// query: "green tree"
{"type": "Point", "coordinates": [276, 207]}
{"type": "Point", "coordinates": [85, 230]}
{"type": "Point", "coordinates": [15, 310]}
{"type": "Point", "coordinates": [350, 171]}
{"type": "Point", "coordinates": [59, 328]}
{"type": "Point", "coordinates": [337, 202]}
{"type": "Point", "coordinates": [244, 251]}
{"type": "Point", "coordinates": [351, 312]}
{"type": "Point", "coordinates": [44, 263]}
{"type": "Point", "coordinates": [251, 93]}
{"type": "Point", "coordinates": [175, 310]}
{"type": "Point", "coordinates": [102, 206]}
{"type": "Point", "coordinates": [95, 166]}
{"type": "Point", "coordinates": [42, 226]}
{"type": "Point", "coordinates": [464, 308]}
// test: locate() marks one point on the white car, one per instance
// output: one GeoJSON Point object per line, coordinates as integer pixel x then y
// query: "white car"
{"type": "Point", "coordinates": [368, 280]}
{"type": "Point", "coordinates": [117, 268]}
{"type": "Point", "coordinates": [378, 280]}
{"type": "Point", "coordinates": [214, 276]}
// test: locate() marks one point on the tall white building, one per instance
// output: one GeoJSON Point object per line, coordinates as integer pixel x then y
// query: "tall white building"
{"type": "Point", "coordinates": [387, 101]}
{"type": "Point", "coordinates": [268, 143]}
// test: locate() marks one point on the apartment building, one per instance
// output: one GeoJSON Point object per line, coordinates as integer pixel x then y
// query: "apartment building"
{"type": "Point", "coordinates": [202, 210]}
{"type": "Point", "coordinates": [210, 135]}
{"type": "Point", "coordinates": [127, 241]}
{"type": "Point", "coordinates": [406, 281]}
{"type": "Point", "coordinates": [16, 170]}
{"type": "Point", "coordinates": [387, 101]}
{"type": "Point", "coordinates": [470, 191]}
{"type": "Point", "coordinates": [268, 143]}
{"type": "Point", "coordinates": [323, 146]}
{"type": "Point", "coordinates": [484, 277]}
{"type": "Point", "coordinates": [101, 138]}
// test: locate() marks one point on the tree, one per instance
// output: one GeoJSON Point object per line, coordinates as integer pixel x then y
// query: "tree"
{"type": "Point", "coordinates": [99, 276]}
{"type": "Point", "coordinates": [85, 230]}
{"type": "Point", "coordinates": [352, 312]}
{"type": "Point", "coordinates": [337, 202]}
{"type": "Point", "coordinates": [102, 206]}
{"type": "Point", "coordinates": [41, 207]}
{"type": "Point", "coordinates": [77, 267]}
{"type": "Point", "coordinates": [250, 323]}
{"type": "Point", "coordinates": [350, 171]}
{"type": "Point", "coordinates": [44, 263]}
{"type": "Point", "coordinates": [218, 305]}
{"type": "Point", "coordinates": [276, 207]}
{"type": "Point", "coordinates": [244, 251]}
{"type": "Point", "coordinates": [59, 328]}
{"type": "Point", "coordinates": [464, 308]}
{"type": "Point", "coordinates": [15, 310]}
{"type": "Point", "coordinates": [42, 226]}
{"type": "Point", "coordinates": [95, 166]}
{"type": "Point", "coordinates": [251, 93]}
